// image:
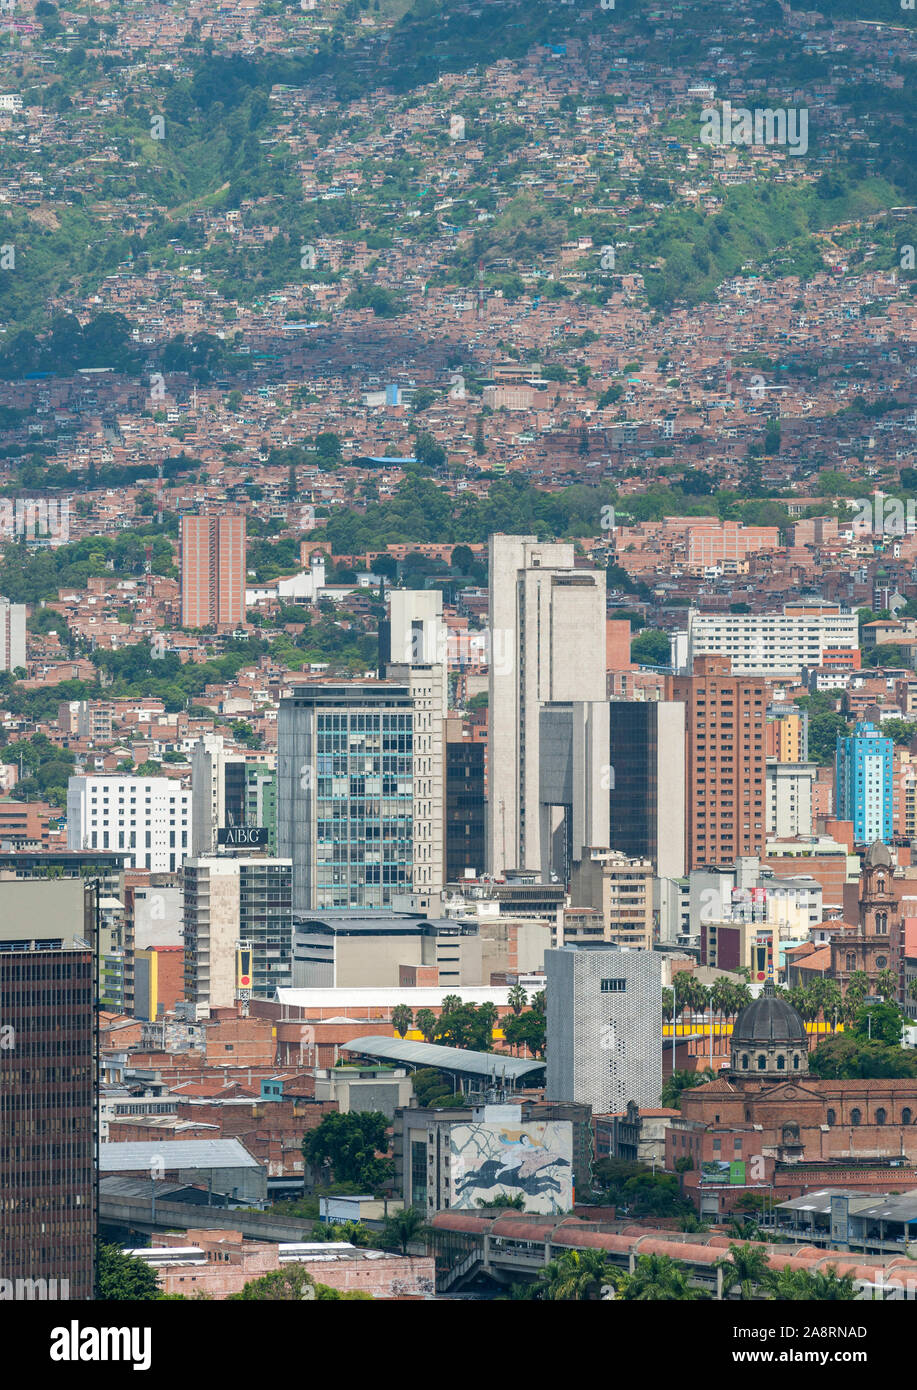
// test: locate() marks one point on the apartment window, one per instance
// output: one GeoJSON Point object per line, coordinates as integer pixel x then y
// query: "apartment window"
{"type": "Point", "coordinates": [614, 986]}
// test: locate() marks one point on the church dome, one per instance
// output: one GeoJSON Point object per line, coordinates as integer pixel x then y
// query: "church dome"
{"type": "Point", "coordinates": [878, 857]}
{"type": "Point", "coordinates": [768, 1019]}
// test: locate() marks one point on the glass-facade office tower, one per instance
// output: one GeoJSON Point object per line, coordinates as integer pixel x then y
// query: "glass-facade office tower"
{"type": "Point", "coordinates": [48, 1087]}
{"type": "Point", "coordinates": [863, 781]}
{"type": "Point", "coordinates": [345, 772]}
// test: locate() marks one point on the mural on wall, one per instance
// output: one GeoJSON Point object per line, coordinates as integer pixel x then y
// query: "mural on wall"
{"type": "Point", "coordinates": [534, 1161]}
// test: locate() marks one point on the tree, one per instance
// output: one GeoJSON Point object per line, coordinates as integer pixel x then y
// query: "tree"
{"type": "Point", "coordinates": [577, 1275]}
{"type": "Point", "coordinates": [349, 1144]}
{"type": "Point", "coordinates": [650, 648]}
{"type": "Point", "coordinates": [425, 1021]}
{"type": "Point", "coordinates": [683, 1081]}
{"type": "Point", "coordinates": [517, 998]}
{"type": "Point", "coordinates": [887, 984]}
{"type": "Point", "coordinates": [745, 1268]}
{"type": "Point", "coordinates": [480, 448]}
{"type": "Point", "coordinates": [504, 1202]}
{"type": "Point", "coordinates": [823, 1286]}
{"type": "Point", "coordinates": [401, 1228]}
{"type": "Point", "coordinates": [122, 1276]}
{"type": "Point", "coordinates": [402, 1019]}
{"type": "Point", "coordinates": [658, 1279]}
{"type": "Point", "coordinates": [878, 1023]}
{"type": "Point", "coordinates": [450, 1003]}
{"type": "Point", "coordinates": [292, 1285]}
{"type": "Point", "coordinates": [846, 1056]}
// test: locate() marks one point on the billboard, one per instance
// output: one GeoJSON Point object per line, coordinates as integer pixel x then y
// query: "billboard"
{"type": "Point", "coordinates": [840, 1218]}
{"type": "Point", "coordinates": [244, 972]}
{"type": "Point", "coordinates": [509, 1159]}
{"type": "Point", "coordinates": [719, 1172]}
{"type": "Point", "coordinates": [242, 835]}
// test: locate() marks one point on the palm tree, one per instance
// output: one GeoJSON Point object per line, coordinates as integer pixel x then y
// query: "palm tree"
{"type": "Point", "coordinates": [857, 989]}
{"type": "Point", "coordinates": [518, 999]}
{"type": "Point", "coordinates": [887, 984]}
{"type": "Point", "coordinates": [683, 1081]}
{"type": "Point", "coordinates": [402, 1019]}
{"type": "Point", "coordinates": [576, 1274]}
{"type": "Point", "coordinates": [658, 1278]}
{"type": "Point", "coordinates": [790, 1285]}
{"type": "Point", "coordinates": [744, 1230]}
{"type": "Point", "coordinates": [450, 1003]}
{"type": "Point", "coordinates": [746, 1268]}
{"type": "Point", "coordinates": [830, 1287]}
{"type": "Point", "coordinates": [401, 1228]}
{"type": "Point", "coordinates": [426, 1022]}
{"type": "Point", "coordinates": [693, 1223]}
{"type": "Point", "coordinates": [668, 1002]}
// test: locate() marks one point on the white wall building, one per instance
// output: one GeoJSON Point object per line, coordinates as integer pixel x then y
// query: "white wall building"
{"type": "Point", "coordinates": [769, 644]}
{"type": "Point", "coordinates": [788, 799]}
{"type": "Point", "coordinates": [12, 635]}
{"type": "Point", "coordinates": [547, 638]}
{"type": "Point", "coordinates": [148, 817]}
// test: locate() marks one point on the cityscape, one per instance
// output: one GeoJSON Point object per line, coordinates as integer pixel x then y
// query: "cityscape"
{"type": "Point", "coordinates": [458, 660]}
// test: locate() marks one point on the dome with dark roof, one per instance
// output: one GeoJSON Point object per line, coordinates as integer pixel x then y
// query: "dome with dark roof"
{"type": "Point", "coordinates": [768, 1019]}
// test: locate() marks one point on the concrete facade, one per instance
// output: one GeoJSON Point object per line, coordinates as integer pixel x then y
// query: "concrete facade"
{"type": "Point", "coordinates": [547, 637]}
{"type": "Point", "coordinates": [603, 1011]}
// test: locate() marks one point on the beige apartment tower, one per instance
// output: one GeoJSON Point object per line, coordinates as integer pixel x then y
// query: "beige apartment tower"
{"type": "Point", "coordinates": [547, 645]}
{"type": "Point", "coordinates": [213, 571]}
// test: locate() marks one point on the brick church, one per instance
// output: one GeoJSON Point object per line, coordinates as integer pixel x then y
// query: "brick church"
{"type": "Point", "coordinates": [765, 1116]}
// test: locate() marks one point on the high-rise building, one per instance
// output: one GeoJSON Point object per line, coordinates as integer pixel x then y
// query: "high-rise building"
{"type": "Point", "coordinates": [863, 783]}
{"type": "Point", "coordinates": [547, 644]}
{"type": "Point", "coordinates": [787, 734]}
{"type": "Point", "coordinates": [231, 902]}
{"type": "Point", "coordinates": [464, 816]}
{"type": "Point", "coordinates": [725, 783]}
{"type": "Point", "coordinates": [789, 798]}
{"type": "Point", "coordinates": [346, 794]}
{"type": "Point", "coordinates": [413, 633]}
{"type": "Point", "coordinates": [647, 792]}
{"type": "Point", "coordinates": [229, 791]}
{"type": "Point", "coordinates": [213, 571]}
{"type": "Point", "coordinates": [48, 1095]}
{"type": "Point", "coordinates": [12, 635]}
{"type": "Point", "coordinates": [147, 817]}
{"type": "Point", "coordinates": [427, 687]}
{"type": "Point", "coordinates": [603, 1012]}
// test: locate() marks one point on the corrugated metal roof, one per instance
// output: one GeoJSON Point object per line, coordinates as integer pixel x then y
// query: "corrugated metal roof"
{"type": "Point", "coordinates": [175, 1153]}
{"type": "Point", "coordinates": [447, 1058]}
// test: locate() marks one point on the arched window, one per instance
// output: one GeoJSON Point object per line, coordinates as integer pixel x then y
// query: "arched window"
{"type": "Point", "coordinates": [880, 1116]}
{"type": "Point", "coordinates": [796, 1061]}
{"type": "Point", "coordinates": [905, 1116]}
{"type": "Point", "coordinates": [745, 1061]}
{"type": "Point", "coordinates": [851, 961]}
{"type": "Point", "coordinates": [790, 1134]}
{"type": "Point", "coordinates": [781, 1063]}
{"type": "Point", "coordinates": [855, 1117]}
{"type": "Point", "coordinates": [748, 1114]}
{"type": "Point", "coordinates": [831, 1117]}
{"type": "Point", "coordinates": [762, 1062]}
{"type": "Point", "coordinates": [881, 923]}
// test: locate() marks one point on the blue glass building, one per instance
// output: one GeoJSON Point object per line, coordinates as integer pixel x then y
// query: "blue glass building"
{"type": "Point", "coordinates": [863, 783]}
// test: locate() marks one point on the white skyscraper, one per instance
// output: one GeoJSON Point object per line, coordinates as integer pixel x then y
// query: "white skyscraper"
{"type": "Point", "coordinates": [147, 817]}
{"type": "Point", "coordinates": [12, 635]}
{"type": "Point", "coordinates": [547, 644]}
